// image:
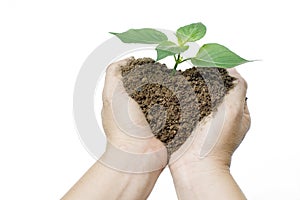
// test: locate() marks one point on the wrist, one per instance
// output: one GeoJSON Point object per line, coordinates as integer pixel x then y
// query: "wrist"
{"type": "Point", "coordinates": [195, 180]}
{"type": "Point", "coordinates": [135, 145]}
{"type": "Point", "coordinates": [133, 185]}
{"type": "Point", "coordinates": [130, 176]}
{"type": "Point", "coordinates": [205, 165]}
{"type": "Point", "coordinates": [121, 160]}
{"type": "Point", "coordinates": [99, 180]}
{"type": "Point", "coordinates": [207, 179]}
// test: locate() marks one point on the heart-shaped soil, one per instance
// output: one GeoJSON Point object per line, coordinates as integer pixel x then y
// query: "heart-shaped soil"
{"type": "Point", "coordinates": [174, 103]}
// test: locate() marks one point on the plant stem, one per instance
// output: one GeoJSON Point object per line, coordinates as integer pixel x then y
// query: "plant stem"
{"type": "Point", "coordinates": [174, 58]}
{"type": "Point", "coordinates": [185, 60]}
{"type": "Point", "coordinates": [177, 62]}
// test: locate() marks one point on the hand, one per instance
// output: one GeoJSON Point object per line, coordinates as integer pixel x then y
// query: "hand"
{"type": "Point", "coordinates": [227, 128]}
{"type": "Point", "coordinates": [131, 147]}
{"type": "Point", "coordinates": [130, 140]}
{"type": "Point", "coordinates": [202, 171]}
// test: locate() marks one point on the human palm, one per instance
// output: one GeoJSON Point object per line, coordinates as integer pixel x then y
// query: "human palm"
{"type": "Point", "coordinates": [128, 133]}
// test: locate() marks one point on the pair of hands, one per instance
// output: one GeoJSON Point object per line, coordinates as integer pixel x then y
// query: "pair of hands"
{"type": "Point", "coordinates": [200, 167]}
{"type": "Point", "coordinates": [227, 127]}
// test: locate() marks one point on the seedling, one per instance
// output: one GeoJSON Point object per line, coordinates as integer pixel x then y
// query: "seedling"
{"type": "Point", "coordinates": [209, 55]}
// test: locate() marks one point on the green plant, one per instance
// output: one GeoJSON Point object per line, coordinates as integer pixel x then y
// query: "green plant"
{"type": "Point", "coordinates": [209, 55]}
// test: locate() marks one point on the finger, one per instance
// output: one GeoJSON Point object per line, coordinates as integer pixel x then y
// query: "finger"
{"type": "Point", "coordinates": [246, 109]}
{"type": "Point", "coordinates": [135, 113]}
{"type": "Point", "coordinates": [113, 79]}
{"type": "Point", "coordinates": [236, 96]}
{"type": "Point", "coordinates": [240, 81]}
{"type": "Point", "coordinates": [235, 99]}
{"type": "Point", "coordinates": [114, 69]}
{"type": "Point", "coordinates": [246, 119]}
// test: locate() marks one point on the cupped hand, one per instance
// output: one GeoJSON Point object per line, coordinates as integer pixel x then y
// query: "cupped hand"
{"type": "Point", "coordinates": [215, 138]}
{"type": "Point", "coordinates": [131, 146]}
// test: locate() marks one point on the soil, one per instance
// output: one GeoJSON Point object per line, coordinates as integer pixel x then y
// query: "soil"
{"type": "Point", "coordinates": [173, 104]}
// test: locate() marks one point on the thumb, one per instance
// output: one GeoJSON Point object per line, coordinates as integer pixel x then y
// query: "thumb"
{"type": "Point", "coordinates": [236, 96]}
{"type": "Point", "coordinates": [113, 78]}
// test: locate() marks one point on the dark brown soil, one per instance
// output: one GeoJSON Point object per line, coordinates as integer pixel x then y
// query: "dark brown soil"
{"type": "Point", "coordinates": [173, 104]}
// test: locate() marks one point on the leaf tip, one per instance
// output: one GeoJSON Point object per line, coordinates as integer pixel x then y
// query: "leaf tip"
{"type": "Point", "coordinates": [113, 33]}
{"type": "Point", "coordinates": [259, 60]}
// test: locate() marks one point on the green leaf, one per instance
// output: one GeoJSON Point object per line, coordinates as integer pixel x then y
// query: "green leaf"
{"type": "Point", "coordinates": [216, 55]}
{"type": "Point", "coordinates": [144, 36]}
{"type": "Point", "coordinates": [190, 33]}
{"type": "Point", "coordinates": [162, 54]}
{"type": "Point", "coordinates": [168, 48]}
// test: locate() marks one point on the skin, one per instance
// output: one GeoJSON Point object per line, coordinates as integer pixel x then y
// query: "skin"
{"type": "Point", "coordinates": [209, 177]}
{"type": "Point", "coordinates": [117, 136]}
{"type": "Point", "coordinates": [195, 176]}
{"type": "Point", "coordinates": [105, 181]}
{"type": "Point", "coordinates": [101, 182]}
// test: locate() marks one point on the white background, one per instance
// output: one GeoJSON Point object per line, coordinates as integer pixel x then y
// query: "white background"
{"type": "Point", "coordinates": [44, 43]}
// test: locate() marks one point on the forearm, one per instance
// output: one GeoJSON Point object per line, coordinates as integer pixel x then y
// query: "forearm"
{"type": "Point", "coordinates": [205, 181]}
{"type": "Point", "coordinates": [101, 182]}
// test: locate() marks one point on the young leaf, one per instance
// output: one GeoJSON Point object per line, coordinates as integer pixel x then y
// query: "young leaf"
{"type": "Point", "coordinates": [144, 36]}
{"type": "Point", "coordinates": [162, 54]}
{"type": "Point", "coordinates": [216, 55]}
{"type": "Point", "coordinates": [168, 48]}
{"type": "Point", "coordinates": [190, 33]}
